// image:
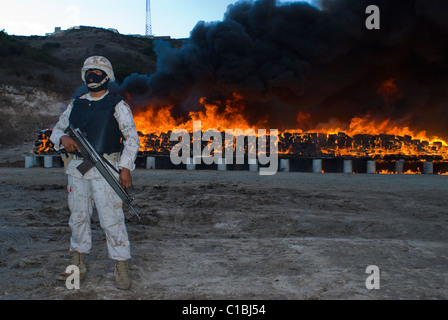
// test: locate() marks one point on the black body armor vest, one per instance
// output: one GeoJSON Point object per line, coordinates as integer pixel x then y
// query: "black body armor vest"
{"type": "Point", "coordinates": [96, 120]}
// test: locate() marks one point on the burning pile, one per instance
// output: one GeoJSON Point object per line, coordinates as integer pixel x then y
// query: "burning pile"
{"type": "Point", "coordinates": [364, 137]}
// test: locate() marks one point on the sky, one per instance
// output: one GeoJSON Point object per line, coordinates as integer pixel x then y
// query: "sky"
{"type": "Point", "coordinates": [175, 18]}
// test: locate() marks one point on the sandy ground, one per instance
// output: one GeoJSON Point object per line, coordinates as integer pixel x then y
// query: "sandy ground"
{"type": "Point", "coordinates": [236, 235]}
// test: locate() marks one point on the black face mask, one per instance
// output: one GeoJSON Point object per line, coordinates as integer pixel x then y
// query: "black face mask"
{"type": "Point", "coordinates": [97, 82]}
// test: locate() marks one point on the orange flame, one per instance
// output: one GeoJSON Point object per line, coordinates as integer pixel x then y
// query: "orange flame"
{"type": "Point", "coordinates": [161, 120]}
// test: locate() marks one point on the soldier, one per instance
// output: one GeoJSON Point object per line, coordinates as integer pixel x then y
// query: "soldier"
{"type": "Point", "coordinates": [107, 121]}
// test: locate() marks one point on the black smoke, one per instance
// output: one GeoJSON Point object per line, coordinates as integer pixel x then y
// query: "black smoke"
{"type": "Point", "coordinates": [322, 61]}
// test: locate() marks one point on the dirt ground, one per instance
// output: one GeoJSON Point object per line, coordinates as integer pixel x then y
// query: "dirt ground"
{"type": "Point", "coordinates": [236, 235]}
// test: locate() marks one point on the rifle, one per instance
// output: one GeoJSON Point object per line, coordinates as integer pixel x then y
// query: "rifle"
{"type": "Point", "coordinates": [93, 159]}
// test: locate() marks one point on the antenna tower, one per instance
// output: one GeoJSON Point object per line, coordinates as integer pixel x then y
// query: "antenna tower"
{"type": "Point", "coordinates": [148, 18]}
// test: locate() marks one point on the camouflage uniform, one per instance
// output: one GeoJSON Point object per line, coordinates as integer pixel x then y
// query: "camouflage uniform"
{"type": "Point", "coordinates": [92, 190]}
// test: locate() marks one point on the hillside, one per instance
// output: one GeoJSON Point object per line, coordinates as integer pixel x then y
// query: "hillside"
{"type": "Point", "coordinates": [38, 74]}
{"type": "Point", "coordinates": [54, 61]}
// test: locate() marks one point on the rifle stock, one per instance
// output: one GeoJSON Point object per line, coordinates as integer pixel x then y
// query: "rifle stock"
{"type": "Point", "coordinates": [93, 159]}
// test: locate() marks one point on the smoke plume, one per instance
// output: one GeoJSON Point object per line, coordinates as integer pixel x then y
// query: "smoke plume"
{"type": "Point", "coordinates": [294, 61]}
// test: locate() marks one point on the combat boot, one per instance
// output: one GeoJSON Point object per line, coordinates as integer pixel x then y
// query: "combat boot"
{"type": "Point", "coordinates": [77, 260]}
{"type": "Point", "coordinates": [121, 274]}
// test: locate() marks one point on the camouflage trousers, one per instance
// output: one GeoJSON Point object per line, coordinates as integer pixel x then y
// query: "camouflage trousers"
{"type": "Point", "coordinates": [83, 196]}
